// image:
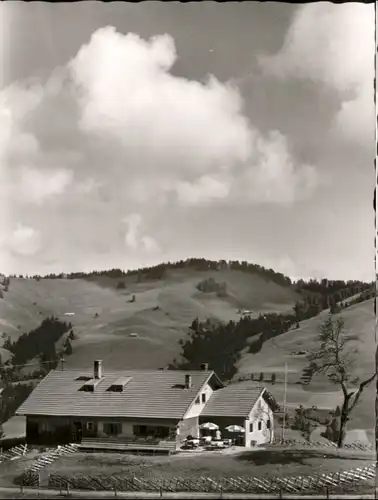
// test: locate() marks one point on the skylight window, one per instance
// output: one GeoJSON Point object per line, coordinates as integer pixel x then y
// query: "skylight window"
{"type": "Point", "coordinates": [119, 384]}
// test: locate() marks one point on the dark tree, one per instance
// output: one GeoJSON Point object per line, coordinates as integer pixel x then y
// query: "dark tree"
{"type": "Point", "coordinates": [68, 349]}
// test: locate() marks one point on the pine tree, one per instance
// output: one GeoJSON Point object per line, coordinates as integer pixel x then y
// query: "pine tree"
{"type": "Point", "coordinates": [68, 349]}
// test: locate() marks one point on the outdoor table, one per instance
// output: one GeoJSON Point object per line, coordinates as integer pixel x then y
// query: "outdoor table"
{"type": "Point", "coordinates": [193, 442]}
{"type": "Point", "coordinates": [207, 439]}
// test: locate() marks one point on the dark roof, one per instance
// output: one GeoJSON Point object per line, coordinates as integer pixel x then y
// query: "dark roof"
{"type": "Point", "coordinates": [234, 400]}
{"type": "Point", "coordinates": [154, 394]}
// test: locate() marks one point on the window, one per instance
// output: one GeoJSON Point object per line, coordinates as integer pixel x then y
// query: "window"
{"type": "Point", "coordinates": [203, 398]}
{"type": "Point", "coordinates": [140, 430]}
{"type": "Point", "coordinates": [90, 426]}
{"type": "Point", "coordinates": [162, 432]}
{"type": "Point", "coordinates": [259, 426]}
{"type": "Point", "coordinates": [268, 424]}
{"type": "Point", "coordinates": [250, 427]}
{"type": "Point", "coordinates": [113, 429]}
{"type": "Point", "coordinates": [150, 430]}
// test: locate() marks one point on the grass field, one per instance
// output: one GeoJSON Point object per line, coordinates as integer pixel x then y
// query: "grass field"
{"type": "Point", "coordinates": [161, 314]}
{"type": "Point", "coordinates": [255, 463]}
{"type": "Point", "coordinates": [259, 463]}
{"type": "Point", "coordinates": [359, 327]}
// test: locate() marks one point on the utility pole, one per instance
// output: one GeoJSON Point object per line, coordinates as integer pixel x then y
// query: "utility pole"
{"type": "Point", "coordinates": [284, 406]}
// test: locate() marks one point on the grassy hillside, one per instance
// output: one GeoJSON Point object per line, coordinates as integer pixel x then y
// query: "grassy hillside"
{"type": "Point", "coordinates": [275, 352]}
{"type": "Point", "coordinates": [104, 316]}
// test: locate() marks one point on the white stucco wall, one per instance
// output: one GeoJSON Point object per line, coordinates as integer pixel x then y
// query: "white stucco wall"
{"type": "Point", "coordinates": [196, 409]}
{"type": "Point", "coordinates": [261, 412]}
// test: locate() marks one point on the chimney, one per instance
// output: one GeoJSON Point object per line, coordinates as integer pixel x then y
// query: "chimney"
{"type": "Point", "coordinates": [204, 367]}
{"type": "Point", "coordinates": [97, 369]}
{"type": "Point", "coordinates": [188, 381]}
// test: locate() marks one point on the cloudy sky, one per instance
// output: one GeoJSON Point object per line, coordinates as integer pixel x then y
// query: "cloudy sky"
{"type": "Point", "coordinates": [138, 133]}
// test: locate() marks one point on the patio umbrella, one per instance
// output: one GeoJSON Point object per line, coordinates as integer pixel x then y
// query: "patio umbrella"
{"type": "Point", "coordinates": [209, 426]}
{"type": "Point", "coordinates": [235, 428]}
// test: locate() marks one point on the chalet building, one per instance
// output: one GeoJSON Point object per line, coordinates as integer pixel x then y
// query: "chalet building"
{"type": "Point", "coordinates": [245, 405]}
{"type": "Point", "coordinates": [141, 409]}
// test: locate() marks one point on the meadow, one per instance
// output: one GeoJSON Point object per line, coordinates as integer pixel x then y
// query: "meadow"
{"type": "Point", "coordinates": [104, 316]}
{"type": "Point", "coordinates": [359, 329]}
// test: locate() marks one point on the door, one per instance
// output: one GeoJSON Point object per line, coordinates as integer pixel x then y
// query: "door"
{"type": "Point", "coordinates": [32, 435]}
{"type": "Point", "coordinates": [77, 431]}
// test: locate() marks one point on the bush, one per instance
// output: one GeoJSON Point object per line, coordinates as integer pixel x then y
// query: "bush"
{"type": "Point", "coordinates": [261, 378]}
{"type": "Point", "coordinates": [273, 380]}
{"type": "Point", "coordinates": [209, 285]}
{"type": "Point", "coordinates": [121, 285]}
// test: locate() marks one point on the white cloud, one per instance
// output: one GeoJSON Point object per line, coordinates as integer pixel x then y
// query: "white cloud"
{"type": "Point", "coordinates": [269, 177]}
{"type": "Point", "coordinates": [150, 245]}
{"type": "Point", "coordinates": [356, 118]}
{"type": "Point", "coordinates": [204, 190]}
{"type": "Point", "coordinates": [134, 240]}
{"type": "Point", "coordinates": [25, 240]}
{"type": "Point", "coordinates": [38, 186]}
{"type": "Point", "coordinates": [117, 126]}
{"type": "Point", "coordinates": [87, 186]}
{"type": "Point", "coordinates": [16, 104]}
{"type": "Point", "coordinates": [129, 92]}
{"type": "Point", "coordinates": [131, 238]}
{"type": "Point", "coordinates": [167, 127]}
{"type": "Point", "coordinates": [338, 50]}
{"type": "Point", "coordinates": [273, 178]}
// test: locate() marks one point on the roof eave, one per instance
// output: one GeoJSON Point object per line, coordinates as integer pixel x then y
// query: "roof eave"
{"type": "Point", "coordinates": [211, 374]}
{"type": "Point", "coordinates": [272, 402]}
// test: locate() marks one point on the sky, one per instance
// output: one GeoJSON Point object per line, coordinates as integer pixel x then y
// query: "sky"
{"type": "Point", "coordinates": [132, 134]}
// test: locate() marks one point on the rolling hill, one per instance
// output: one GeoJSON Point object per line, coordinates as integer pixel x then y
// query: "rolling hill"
{"type": "Point", "coordinates": [290, 348]}
{"type": "Point", "coordinates": [104, 315]}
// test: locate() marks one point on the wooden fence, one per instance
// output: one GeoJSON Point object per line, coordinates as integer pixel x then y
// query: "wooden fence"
{"type": "Point", "coordinates": [13, 453]}
{"type": "Point", "coordinates": [336, 482]}
{"type": "Point", "coordinates": [321, 444]}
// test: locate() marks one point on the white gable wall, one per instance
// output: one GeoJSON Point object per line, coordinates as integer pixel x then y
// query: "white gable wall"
{"type": "Point", "coordinates": [261, 412]}
{"type": "Point", "coordinates": [196, 408]}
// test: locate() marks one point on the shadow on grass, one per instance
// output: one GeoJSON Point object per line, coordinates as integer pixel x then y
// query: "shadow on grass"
{"type": "Point", "coordinates": [285, 457]}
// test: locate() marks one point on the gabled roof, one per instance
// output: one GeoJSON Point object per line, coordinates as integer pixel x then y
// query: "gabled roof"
{"type": "Point", "coordinates": [235, 400]}
{"type": "Point", "coordinates": [153, 394]}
